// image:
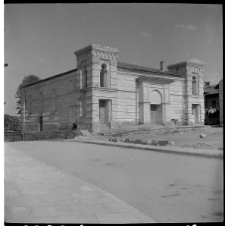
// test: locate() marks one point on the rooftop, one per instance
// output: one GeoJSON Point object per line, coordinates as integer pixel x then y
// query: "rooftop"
{"type": "Point", "coordinates": [210, 89]}
{"type": "Point", "coordinates": [138, 68]}
{"type": "Point", "coordinates": [120, 65]}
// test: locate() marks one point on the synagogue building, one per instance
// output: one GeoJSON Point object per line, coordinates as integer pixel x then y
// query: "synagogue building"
{"type": "Point", "coordinates": [103, 92]}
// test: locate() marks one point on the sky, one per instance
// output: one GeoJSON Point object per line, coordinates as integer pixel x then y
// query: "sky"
{"type": "Point", "coordinates": [41, 39]}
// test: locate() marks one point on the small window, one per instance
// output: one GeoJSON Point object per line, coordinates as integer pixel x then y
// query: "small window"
{"type": "Point", "coordinates": [71, 85]}
{"type": "Point", "coordinates": [41, 102]}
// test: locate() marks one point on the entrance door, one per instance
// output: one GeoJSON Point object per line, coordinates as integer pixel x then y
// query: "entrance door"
{"type": "Point", "coordinates": [102, 111]}
{"type": "Point", "coordinates": [153, 113]}
{"type": "Point", "coordinates": [195, 113]}
{"type": "Point", "coordinates": [156, 113]}
{"type": "Point", "coordinates": [41, 122]}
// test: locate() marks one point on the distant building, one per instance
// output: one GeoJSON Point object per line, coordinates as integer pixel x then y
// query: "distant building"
{"type": "Point", "coordinates": [219, 86]}
{"type": "Point", "coordinates": [103, 92]}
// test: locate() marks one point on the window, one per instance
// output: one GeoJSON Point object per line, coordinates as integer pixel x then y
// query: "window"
{"type": "Point", "coordinates": [71, 85]}
{"type": "Point", "coordinates": [74, 84]}
{"type": "Point", "coordinates": [103, 76]}
{"type": "Point", "coordinates": [84, 77]}
{"type": "Point", "coordinates": [29, 105]}
{"type": "Point", "coordinates": [41, 103]}
{"type": "Point", "coordinates": [81, 106]}
{"type": "Point", "coordinates": [194, 86]}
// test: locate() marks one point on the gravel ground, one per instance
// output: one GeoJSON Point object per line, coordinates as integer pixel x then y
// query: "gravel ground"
{"type": "Point", "coordinates": [183, 137]}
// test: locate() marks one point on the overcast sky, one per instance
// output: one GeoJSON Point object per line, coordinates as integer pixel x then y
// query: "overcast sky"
{"type": "Point", "coordinates": [40, 39]}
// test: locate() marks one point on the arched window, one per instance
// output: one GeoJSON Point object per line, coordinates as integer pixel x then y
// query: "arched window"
{"type": "Point", "coordinates": [103, 76]}
{"type": "Point", "coordinates": [84, 77]}
{"type": "Point", "coordinates": [194, 86]}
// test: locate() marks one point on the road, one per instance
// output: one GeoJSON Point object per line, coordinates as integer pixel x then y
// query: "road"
{"type": "Point", "coordinates": [167, 187]}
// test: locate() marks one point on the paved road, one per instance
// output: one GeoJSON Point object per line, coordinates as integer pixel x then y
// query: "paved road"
{"type": "Point", "coordinates": [167, 187]}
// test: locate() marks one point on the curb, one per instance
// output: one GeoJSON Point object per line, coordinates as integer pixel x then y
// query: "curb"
{"type": "Point", "coordinates": [170, 150]}
{"type": "Point", "coordinates": [143, 142]}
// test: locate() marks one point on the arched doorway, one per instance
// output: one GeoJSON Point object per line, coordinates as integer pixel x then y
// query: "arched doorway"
{"type": "Point", "coordinates": [156, 107]}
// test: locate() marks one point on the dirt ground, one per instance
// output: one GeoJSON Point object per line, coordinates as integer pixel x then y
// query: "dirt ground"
{"type": "Point", "coordinates": [183, 137]}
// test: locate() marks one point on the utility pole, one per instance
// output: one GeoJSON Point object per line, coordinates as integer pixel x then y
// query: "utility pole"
{"type": "Point", "coordinates": [5, 65]}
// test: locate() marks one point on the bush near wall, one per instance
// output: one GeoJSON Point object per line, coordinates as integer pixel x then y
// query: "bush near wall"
{"type": "Point", "coordinates": [11, 136]}
{"type": "Point", "coordinates": [45, 135]}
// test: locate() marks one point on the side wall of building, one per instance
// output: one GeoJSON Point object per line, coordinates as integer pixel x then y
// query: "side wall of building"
{"type": "Point", "coordinates": [128, 98]}
{"type": "Point", "coordinates": [56, 100]}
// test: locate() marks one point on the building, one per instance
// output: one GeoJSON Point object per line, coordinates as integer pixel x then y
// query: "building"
{"type": "Point", "coordinates": [103, 92]}
{"type": "Point", "coordinates": [211, 95]}
{"type": "Point", "coordinates": [219, 86]}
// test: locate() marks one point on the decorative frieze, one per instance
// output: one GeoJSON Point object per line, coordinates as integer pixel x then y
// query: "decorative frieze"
{"type": "Point", "coordinates": [195, 69]}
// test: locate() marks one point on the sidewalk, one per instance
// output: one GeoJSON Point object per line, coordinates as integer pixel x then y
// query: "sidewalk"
{"type": "Point", "coordinates": [165, 149]}
{"type": "Point", "coordinates": [36, 192]}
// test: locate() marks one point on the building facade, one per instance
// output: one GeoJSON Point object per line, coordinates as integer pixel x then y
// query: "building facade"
{"type": "Point", "coordinates": [211, 95]}
{"type": "Point", "coordinates": [219, 87]}
{"type": "Point", "coordinates": [221, 100]}
{"type": "Point", "coordinates": [103, 92]}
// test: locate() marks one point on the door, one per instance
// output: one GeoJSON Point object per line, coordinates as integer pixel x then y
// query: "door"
{"type": "Point", "coordinates": [159, 114]}
{"type": "Point", "coordinates": [156, 113]}
{"type": "Point", "coordinates": [41, 122]}
{"type": "Point", "coordinates": [153, 113]}
{"type": "Point", "coordinates": [195, 113]}
{"type": "Point", "coordinates": [102, 111]}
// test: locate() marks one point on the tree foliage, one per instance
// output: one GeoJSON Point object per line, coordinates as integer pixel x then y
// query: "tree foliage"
{"type": "Point", "coordinates": [26, 81]}
{"type": "Point", "coordinates": [12, 123]}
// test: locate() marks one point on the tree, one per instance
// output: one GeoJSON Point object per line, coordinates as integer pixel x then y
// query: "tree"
{"type": "Point", "coordinates": [12, 123]}
{"type": "Point", "coordinates": [26, 81]}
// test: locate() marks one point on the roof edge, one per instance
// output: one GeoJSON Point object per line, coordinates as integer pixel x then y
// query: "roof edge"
{"type": "Point", "coordinates": [51, 77]}
{"type": "Point", "coordinates": [133, 67]}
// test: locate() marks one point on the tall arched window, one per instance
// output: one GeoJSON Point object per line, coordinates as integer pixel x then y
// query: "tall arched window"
{"type": "Point", "coordinates": [84, 77]}
{"type": "Point", "coordinates": [194, 86]}
{"type": "Point", "coordinates": [103, 76]}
